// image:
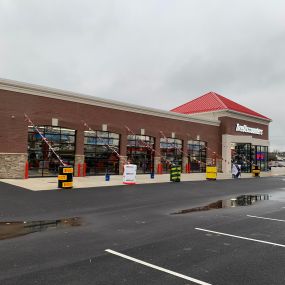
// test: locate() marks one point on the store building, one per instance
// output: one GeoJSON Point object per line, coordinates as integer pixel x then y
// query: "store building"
{"type": "Point", "coordinates": [106, 134]}
{"type": "Point", "coordinates": [243, 134]}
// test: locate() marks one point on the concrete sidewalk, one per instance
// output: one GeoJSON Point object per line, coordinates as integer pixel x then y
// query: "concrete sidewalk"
{"type": "Point", "coordinates": [50, 183]}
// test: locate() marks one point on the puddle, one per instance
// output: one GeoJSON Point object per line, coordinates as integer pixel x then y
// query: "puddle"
{"type": "Point", "coordinates": [243, 200]}
{"type": "Point", "coordinates": [15, 229]}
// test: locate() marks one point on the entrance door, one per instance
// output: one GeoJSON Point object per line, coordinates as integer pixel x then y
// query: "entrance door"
{"type": "Point", "coordinates": [241, 154]}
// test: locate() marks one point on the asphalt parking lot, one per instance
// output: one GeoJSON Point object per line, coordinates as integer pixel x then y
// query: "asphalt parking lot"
{"type": "Point", "coordinates": [129, 235]}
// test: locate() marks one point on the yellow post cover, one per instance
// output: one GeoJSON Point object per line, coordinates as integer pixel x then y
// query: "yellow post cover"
{"type": "Point", "coordinates": [68, 170]}
{"type": "Point", "coordinates": [211, 172]}
{"type": "Point", "coordinates": [62, 177]}
{"type": "Point", "coordinates": [212, 169]}
{"type": "Point", "coordinates": [211, 175]}
{"type": "Point", "coordinates": [67, 184]}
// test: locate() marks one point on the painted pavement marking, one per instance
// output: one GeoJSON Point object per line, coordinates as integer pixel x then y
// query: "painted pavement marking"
{"type": "Point", "coordinates": [264, 218]}
{"type": "Point", "coordinates": [240, 237]}
{"type": "Point", "coordinates": [157, 267]}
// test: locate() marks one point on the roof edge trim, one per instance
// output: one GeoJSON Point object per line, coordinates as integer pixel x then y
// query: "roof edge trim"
{"type": "Point", "coordinates": [37, 90]}
{"type": "Point", "coordinates": [248, 115]}
{"type": "Point", "coordinates": [231, 111]}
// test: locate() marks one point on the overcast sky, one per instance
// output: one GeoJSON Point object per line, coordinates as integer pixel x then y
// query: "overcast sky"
{"type": "Point", "coordinates": [153, 53]}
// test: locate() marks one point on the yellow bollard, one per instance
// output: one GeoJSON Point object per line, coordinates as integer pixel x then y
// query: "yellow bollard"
{"type": "Point", "coordinates": [211, 172]}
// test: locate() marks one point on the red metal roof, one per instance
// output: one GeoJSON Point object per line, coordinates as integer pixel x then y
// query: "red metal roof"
{"type": "Point", "coordinates": [214, 102]}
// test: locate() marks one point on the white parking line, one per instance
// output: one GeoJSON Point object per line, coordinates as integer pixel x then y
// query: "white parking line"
{"type": "Point", "coordinates": [264, 218]}
{"type": "Point", "coordinates": [240, 237]}
{"type": "Point", "coordinates": [158, 268]}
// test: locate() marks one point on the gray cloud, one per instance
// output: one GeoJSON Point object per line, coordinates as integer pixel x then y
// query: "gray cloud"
{"type": "Point", "coordinates": [155, 53]}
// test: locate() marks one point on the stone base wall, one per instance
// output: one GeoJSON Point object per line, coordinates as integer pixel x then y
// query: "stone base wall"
{"type": "Point", "coordinates": [12, 165]}
{"type": "Point", "coordinates": [79, 159]}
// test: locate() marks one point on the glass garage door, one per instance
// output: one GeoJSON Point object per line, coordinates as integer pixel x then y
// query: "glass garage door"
{"type": "Point", "coordinates": [197, 152]}
{"type": "Point", "coordinates": [140, 152]}
{"type": "Point", "coordinates": [171, 153]}
{"type": "Point", "coordinates": [100, 152]}
{"type": "Point", "coordinates": [42, 161]}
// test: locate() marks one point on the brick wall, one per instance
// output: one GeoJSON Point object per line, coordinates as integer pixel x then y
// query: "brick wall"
{"type": "Point", "coordinates": [13, 128]}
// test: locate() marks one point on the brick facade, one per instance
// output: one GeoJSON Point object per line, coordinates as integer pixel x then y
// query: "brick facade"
{"type": "Point", "coordinates": [70, 114]}
{"type": "Point", "coordinates": [228, 126]}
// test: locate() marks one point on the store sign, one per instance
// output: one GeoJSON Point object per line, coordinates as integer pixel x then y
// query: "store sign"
{"type": "Point", "coordinates": [260, 156]}
{"type": "Point", "coordinates": [129, 176]}
{"type": "Point", "coordinates": [246, 129]}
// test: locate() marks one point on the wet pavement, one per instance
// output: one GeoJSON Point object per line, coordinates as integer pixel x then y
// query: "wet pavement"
{"type": "Point", "coordinates": [239, 201]}
{"type": "Point", "coordinates": [136, 222]}
{"type": "Point", "coordinates": [16, 229]}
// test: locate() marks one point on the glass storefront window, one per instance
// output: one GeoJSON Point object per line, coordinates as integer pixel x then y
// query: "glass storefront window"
{"type": "Point", "coordinates": [100, 152]}
{"type": "Point", "coordinates": [247, 155]}
{"type": "Point", "coordinates": [171, 153]}
{"type": "Point", "coordinates": [260, 156]}
{"type": "Point", "coordinates": [42, 161]}
{"type": "Point", "coordinates": [140, 151]}
{"type": "Point", "coordinates": [197, 152]}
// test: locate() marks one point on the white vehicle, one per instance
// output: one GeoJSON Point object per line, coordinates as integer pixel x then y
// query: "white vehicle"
{"type": "Point", "coordinates": [276, 164]}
